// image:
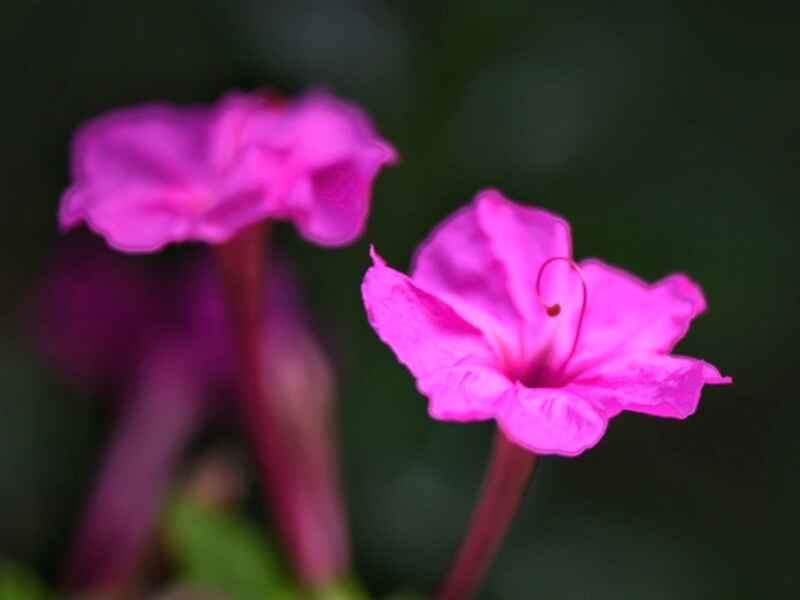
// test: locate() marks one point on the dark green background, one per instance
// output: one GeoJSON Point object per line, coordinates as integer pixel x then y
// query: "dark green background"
{"type": "Point", "coordinates": [667, 133]}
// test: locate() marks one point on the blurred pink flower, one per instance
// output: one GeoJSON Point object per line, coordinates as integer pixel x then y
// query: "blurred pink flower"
{"type": "Point", "coordinates": [497, 322]}
{"type": "Point", "coordinates": [107, 322]}
{"type": "Point", "coordinates": [96, 311]}
{"type": "Point", "coordinates": [146, 176]}
{"type": "Point", "coordinates": [164, 407]}
{"type": "Point", "coordinates": [166, 344]}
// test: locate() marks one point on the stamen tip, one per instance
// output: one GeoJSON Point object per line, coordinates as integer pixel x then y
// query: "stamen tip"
{"type": "Point", "coordinates": [554, 310]}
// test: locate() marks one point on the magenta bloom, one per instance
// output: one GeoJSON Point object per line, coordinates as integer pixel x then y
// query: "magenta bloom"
{"type": "Point", "coordinates": [150, 175]}
{"type": "Point", "coordinates": [497, 322]}
{"type": "Point", "coordinates": [97, 311]}
{"type": "Point", "coordinates": [165, 344]}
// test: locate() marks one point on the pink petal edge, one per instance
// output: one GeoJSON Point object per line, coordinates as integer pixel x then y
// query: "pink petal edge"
{"type": "Point", "coordinates": [551, 421]}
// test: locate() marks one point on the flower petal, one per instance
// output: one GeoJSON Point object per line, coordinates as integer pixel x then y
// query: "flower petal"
{"type": "Point", "coordinates": [551, 420]}
{"type": "Point", "coordinates": [148, 146]}
{"type": "Point", "coordinates": [523, 238]}
{"type": "Point", "coordinates": [337, 202]}
{"type": "Point", "coordinates": [141, 175]}
{"type": "Point", "coordinates": [330, 155]}
{"type": "Point", "coordinates": [626, 315]}
{"type": "Point", "coordinates": [320, 129]}
{"type": "Point", "coordinates": [464, 393]}
{"type": "Point", "coordinates": [425, 333]}
{"type": "Point", "coordinates": [484, 261]}
{"type": "Point", "coordinates": [654, 384]}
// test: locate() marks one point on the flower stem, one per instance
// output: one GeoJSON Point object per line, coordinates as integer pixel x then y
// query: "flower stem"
{"type": "Point", "coordinates": [297, 469]}
{"type": "Point", "coordinates": [242, 263]}
{"type": "Point", "coordinates": [509, 472]}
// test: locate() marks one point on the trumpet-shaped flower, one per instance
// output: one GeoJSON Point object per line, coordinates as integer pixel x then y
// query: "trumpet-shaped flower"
{"type": "Point", "coordinates": [150, 175]}
{"type": "Point", "coordinates": [164, 345]}
{"type": "Point", "coordinates": [97, 311]}
{"type": "Point", "coordinates": [498, 322]}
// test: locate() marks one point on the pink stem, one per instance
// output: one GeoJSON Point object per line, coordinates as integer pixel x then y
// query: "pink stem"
{"type": "Point", "coordinates": [160, 415]}
{"type": "Point", "coordinates": [509, 472]}
{"type": "Point", "coordinates": [313, 514]}
{"type": "Point", "coordinates": [301, 511]}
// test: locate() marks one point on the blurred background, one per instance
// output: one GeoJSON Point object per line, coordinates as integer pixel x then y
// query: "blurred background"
{"type": "Point", "coordinates": [666, 132]}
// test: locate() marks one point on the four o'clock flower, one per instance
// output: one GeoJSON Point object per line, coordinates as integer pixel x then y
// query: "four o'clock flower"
{"type": "Point", "coordinates": [178, 360]}
{"type": "Point", "coordinates": [148, 176]}
{"type": "Point", "coordinates": [497, 321]}
{"type": "Point", "coordinates": [110, 325]}
{"type": "Point", "coordinates": [96, 312]}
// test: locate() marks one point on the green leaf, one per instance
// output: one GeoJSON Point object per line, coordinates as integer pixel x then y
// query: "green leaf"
{"type": "Point", "coordinates": [225, 553]}
{"type": "Point", "coordinates": [18, 584]}
{"type": "Point", "coordinates": [344, 589]}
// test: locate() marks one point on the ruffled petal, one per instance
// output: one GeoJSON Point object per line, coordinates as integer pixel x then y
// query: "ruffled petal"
{"type": "Point", "coordinates": [484, 261]}
{"type": "Point", "coordinates": [464, 392]}
{"type": "Point", "coordinates": [146, 147]}
{"type": "Point", "coordinates": [551, 420]}
{"type": "Point", "coordinates": [425, 333]}
{"type": "Point", "coordinates": [523, 238]}
{"type": "Point", "coordinates": [337, 202]}
{"type": "Point", "coordinates": [320, 129]}
{"type": "Point", "coordinates": [654, 384]}
{"type": "Point", "coordinates": [141, 176]}
{"type": "Point", "coordinates": [626, 315]}
{"type": "Point", "coordinates": [329, 154]}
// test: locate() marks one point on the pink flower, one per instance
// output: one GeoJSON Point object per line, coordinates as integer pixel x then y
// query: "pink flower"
{"type": "Point", "coordinates": [165, 406]}
{"type": "Point", "coordinates": [97, 311]}
{"type": "Point", "coordinates": [165, 345]}
{"type": "Point", "coordinates": [497, 322]}
{"type": "Point", "coordinates": [147, 176]}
